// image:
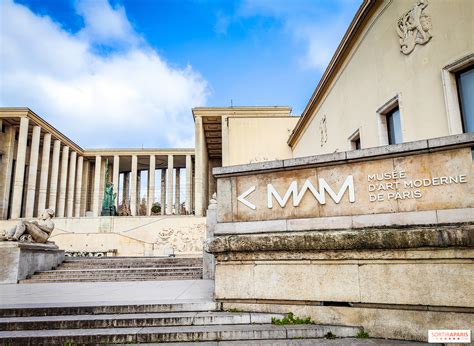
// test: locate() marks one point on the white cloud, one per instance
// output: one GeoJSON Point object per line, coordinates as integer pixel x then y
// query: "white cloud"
{"type": "Point", "coordinates": [318, 25]}
{"type": "Point", "coordinates": [128, 98]}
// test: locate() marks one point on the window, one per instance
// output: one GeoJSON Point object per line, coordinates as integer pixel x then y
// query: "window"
{"type": "Point", "coordinates": [394, 128]}
{"type": "Point", "coordinates": [465, 82]}
{"type": "Point", "coordinates": [354, 140]}
{"type": "Point", "coordinates": [390, 123]}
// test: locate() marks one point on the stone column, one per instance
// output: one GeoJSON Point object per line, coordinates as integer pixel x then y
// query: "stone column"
{"type": "Point", "coordinates": [225, 140]}
{"type": "Point", "coordinates": [177, 191]}
{"type": "Point", "coordinates": [78, 198]}
{"type": "Point", "coordinates": [19, 178]}
{"type": "Point", "coordinates": [86, 188]}
{"type": "Point", "coordinates": [43, 187]}
{"type": "Point", "coordinates": [32, 171]}
{"type": "Point", "coordinates": [133, 186]}
{"type": "Point", "coordinates": [63, 182]}
{"type": "Point", "coordinates": [201, 160]}
{"type": "Point", "coordinates": [189, 182]}
{"type": "Point", "coordinates": [115, 178]}
{"type": "Point", "coordinates": [53, 184]}
{"type": "Point", "coordinates": [71, 185]}
{"type": "Point", "coordinates": [169, 189]}
{"type": "Point", "coordinates": [163, 191]}
{"type": "Point", "coordinates": [151, 184]}
{"type": "Point", "coordinates": [96, 193]}
{"type": "Point", "coordinates": [126, 187]}
{"type": "Point", "coordinates": [139, 191]}
{"type": "Point", "coordinates": [6, 168]}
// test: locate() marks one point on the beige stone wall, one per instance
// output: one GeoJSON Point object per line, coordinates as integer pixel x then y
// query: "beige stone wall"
{"type": "Point", "coordinates": [398, 294]}
{"type": "Point", "coordinates": [129, 236]}
{"type": "Point", "coordinates": [258, 139]}
{"type": "Point", "coordinates": [376, 71]}
{"type": "Point", "coordinates": [427, 181]}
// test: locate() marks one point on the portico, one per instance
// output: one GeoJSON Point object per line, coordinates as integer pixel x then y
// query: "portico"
{"type": "Point", "coordinates": [42, 168]}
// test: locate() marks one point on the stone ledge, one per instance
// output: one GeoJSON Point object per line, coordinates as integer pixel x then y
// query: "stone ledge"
{"type": "Point", "coordinates": [461, 235]}
{"type": "Point", "coordinates": [413, 218]}
{"type": "Point", "coordinates": [448, 142]}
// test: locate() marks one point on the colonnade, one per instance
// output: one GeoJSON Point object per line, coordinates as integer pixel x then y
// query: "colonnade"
{"type": "Point", "coordinates": [131, 184]}
{"type": "Point", "coordinates": [48, 171]}
{"type": "Point", "coordinates": [58, 187]}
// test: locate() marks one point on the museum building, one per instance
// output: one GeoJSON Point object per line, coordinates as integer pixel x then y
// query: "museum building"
{"type": "Point", "coordinates": [358, 212]}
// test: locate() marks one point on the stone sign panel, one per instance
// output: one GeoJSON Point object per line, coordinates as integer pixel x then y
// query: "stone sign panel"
{"type": "Point", "coordinates": [430, 181]}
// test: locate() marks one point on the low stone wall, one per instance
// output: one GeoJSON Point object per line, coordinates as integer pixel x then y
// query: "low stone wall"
{"type": "Point", "coordinates": [129, 236]}
{"type": "Point", "coordinates": [21, 260]}
{"type": "Point", "coordinates": [349, 239]}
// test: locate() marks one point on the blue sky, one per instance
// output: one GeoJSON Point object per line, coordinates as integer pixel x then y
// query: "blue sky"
{"type": "Point", "coordinates": [137, 67]}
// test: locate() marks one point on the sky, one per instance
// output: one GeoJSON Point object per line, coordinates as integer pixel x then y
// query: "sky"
{"type": "Point", "coordinates": [126, 73]}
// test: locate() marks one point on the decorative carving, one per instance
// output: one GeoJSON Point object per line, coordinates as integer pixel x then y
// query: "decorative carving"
{"type": "Point", "coordinates": [33, 231]}
{"type": "Point", "coordinates": [414, 27]}
{"type": "Point", "coordinates": [324, 131]}
{"type": "Point", "coordinates": [181, 240]}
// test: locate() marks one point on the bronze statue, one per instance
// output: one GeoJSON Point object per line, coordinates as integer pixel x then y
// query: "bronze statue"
{"type": "Point", "coordinates": [108, 203]}
{"type": "Point", "coordinates": [35, 231]}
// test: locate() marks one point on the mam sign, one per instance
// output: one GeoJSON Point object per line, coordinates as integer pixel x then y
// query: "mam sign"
{"type": "Point", "coordinates": [431, 181]}
{"type": "Point", "coordinates": [297, 195]}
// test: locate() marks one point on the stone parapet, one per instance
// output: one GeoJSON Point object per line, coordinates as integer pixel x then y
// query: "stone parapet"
{"type": "Point", "coordinates": [21, 260]}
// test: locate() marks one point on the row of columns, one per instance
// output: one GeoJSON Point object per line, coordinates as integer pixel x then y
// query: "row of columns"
{"type": "Point", "coordinates": [132, 185]}
{"type": "Point", "coordinates": [66, 198]}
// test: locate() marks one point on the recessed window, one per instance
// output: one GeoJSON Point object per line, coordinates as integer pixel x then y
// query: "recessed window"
{"type": "Point", "coordinates": [394, 128]}
{"type": "Point", "coordinates": [355, 140]}
{"type": "Point", "coordinates": [465, 82]}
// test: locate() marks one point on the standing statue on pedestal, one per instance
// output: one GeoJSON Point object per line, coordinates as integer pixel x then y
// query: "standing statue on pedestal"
{"type": "Point", "coordinates": [35, 231]}
{"type": "Point", "coordinates": [108, 203]}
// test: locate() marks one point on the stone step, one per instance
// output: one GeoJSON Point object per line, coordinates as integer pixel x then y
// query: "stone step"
{"type": "Point", "coordinates": [133, 320]}
{"type": "Point", "coordinates": [101, 260]}
{"type": "Point", "coordinates": [120, 270]}
{"type": "Point", "coordinates": [93, 309]}
{"type": "Point", "coordinates": [174, 334]}
{"type": "Point", "coordinates": [137, 265]}
{"type": "Point", "coordinates": [116, 276]}
{"type": "Point", "coordinates": [33, 280]}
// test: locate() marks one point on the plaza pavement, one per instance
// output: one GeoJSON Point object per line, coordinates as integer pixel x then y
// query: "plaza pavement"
{"type": "Point", "coordinates": [105, 293]}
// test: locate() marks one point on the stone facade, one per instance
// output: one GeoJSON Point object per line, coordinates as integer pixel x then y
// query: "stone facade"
{"type": "Point", "coordinates": [396, 267]}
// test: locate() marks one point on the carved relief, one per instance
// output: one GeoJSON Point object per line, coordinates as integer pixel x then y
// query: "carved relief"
{"type": "Point", "coordinates": [188, 240]}
{"type": "Point", "coordinates": [324, 131]}
{"type": "Point", "coordinates": [414, 27]}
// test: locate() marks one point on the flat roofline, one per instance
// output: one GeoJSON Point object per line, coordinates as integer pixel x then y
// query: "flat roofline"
{"type": "Point", "coordinates": [237, 110]}
{"type": "Point", "coordinates": [27, 112]}
{"type": "Point", "coordinates": [138, 151]}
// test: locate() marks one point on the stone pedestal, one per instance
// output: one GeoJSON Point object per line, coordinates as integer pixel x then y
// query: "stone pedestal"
{"type": "Point", "coordinates": [21, 260]}
{"type": "Point", "coordinates": [208, 259]}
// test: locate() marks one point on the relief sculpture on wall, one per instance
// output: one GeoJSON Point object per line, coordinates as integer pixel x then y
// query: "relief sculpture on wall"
{"type": "Point", "coordinates": [414, 27]}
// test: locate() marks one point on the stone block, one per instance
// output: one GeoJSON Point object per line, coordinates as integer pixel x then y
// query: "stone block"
{"type": "Point", "coordinates": [315, 160]}
{"type": "Point", "coordinates": [455, 215]}
{"type": "Point", "coordinates": [319, 223]}
{"type": "Point", "coordinates": [395, 219]}
{"type": "Point", "coordinates": [423, 283]}
{"type": "Point", "coordinates": [224, 200]}
{"type": "Point", "coordinates": [451, 140]}
{"type": "Point", "coordinates": [251, 167]}
{"type": "Point", "coordinates": [21, 260]}
{"type": "Point", "coordinates": [387, 150]}
{"type": "Point", "coordinates": [251, 227]}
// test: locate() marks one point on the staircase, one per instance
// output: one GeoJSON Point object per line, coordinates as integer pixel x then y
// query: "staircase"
{"type": "Point", "coordinates": [121, 269]}
{"type": "Point", "coordinates": [158, 323]}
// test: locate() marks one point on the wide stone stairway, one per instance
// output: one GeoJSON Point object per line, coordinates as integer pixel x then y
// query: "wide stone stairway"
{"type": "Point", "coordinates": [91, 269]}
{"type": "Point", "coordinates": [152, 323]}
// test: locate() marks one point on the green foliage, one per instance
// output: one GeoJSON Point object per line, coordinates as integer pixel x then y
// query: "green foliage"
{"type": "Point", "coordinates": [330, 335]}
{"type": "Point", "coordinates": [290, 318]}
{"type": "Point", "coordinates": [234, 310]}
{"type": "Point", "coordinates": [362, 335]}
